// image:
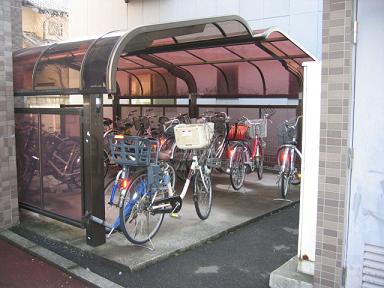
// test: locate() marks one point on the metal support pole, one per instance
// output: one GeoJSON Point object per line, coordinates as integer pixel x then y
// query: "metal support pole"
{"type": "Point", "coordinates": [93, 167]}
{"type": "Point", "coordinates": [116, 109]}
{"type": "Point", "coordinates": [193, 109]}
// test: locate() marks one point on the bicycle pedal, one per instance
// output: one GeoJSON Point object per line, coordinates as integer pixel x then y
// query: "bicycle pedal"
{"type": "Point", "coordinates": [175, 215]}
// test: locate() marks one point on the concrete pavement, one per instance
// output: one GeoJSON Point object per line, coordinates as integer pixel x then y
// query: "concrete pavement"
{"type": "Point", "coordinates": [231, 210]}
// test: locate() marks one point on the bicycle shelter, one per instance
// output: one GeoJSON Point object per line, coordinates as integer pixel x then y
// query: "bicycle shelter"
{"type": "Point", "coordinates": [213, 63]}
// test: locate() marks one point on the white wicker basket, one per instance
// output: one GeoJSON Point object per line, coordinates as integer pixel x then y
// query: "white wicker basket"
{"type": "Point", "coordinates": [193, 136]}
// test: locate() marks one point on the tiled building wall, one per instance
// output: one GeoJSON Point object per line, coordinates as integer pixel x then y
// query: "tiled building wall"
{"type": "Point", "coordinates": [335, 115]}
{"type": "Point", "coordinates": [10, 39]}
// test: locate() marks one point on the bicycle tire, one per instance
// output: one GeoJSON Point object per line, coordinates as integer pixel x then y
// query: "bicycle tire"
{"type": "Point", "coordinates": [237, 171]}
{"type": "Point", "coordinates": [201, 194]}
{"type": "Point", "coordinates": [112, 210]}
{"type": "Point", "coordinates": [136, 212]}
{"type": "Point", "coordinates": [260, 166]}
{"type": "Point", "coordinates": [69, 150]}
{"type": "Point", "coordinates": [284, 185]}
{"type": "Point", "coordinates": [181, 163]}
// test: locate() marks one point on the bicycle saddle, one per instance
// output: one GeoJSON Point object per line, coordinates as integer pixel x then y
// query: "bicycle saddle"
{"type": "Point", "coordinates": [292, 143]}
{"type": "Point", "coordinates": [107, 121]}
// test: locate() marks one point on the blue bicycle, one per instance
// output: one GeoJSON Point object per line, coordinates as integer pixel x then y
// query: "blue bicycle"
{"type": "Point", "coordinates": [145, 188]}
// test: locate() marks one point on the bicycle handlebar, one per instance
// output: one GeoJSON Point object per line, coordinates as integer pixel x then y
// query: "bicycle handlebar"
{"type": "Point", "coordinates": [294, 125]}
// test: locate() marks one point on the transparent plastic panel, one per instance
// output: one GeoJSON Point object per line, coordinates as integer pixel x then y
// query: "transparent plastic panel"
{"type": "Point", "coordinates": [139, 61]}
{"type": "Point", "coordinates": [126, 63]}
{"type": "Point", "coordinates": [181, 87]}
{"type": "Point", "coordinates": [134, 110]}
{"type": "Point", "coordinates": [169, 80]}
{"type": "Point", "coordinates": [205, 77]}
{"type": "Point", "coordinates": [238, 112]}
{"type": "Point", "coordinates": [28, 158]}
{"type": "Point", "coordinates": [175, 111]}
{"type": "Point", "coordinates": [59, 66]}
{"type": "Point", "coordinates": [209, 32]}
{"type": "Point", "coordinates": [290, 49]}
{"type": "Point", "coordinates": [24, 61]}
{"type": "Point", "coordinates": [216, 54]}
{"type": "Point", "coordinates": [124, 83]}
{"type": "Point", "coordinates": [161, 42]}
{"type": "Point", "coordinates": [94, 69]}
{"type": "Point", "coordinates": [249, 79]}
{"type": "Point", "coordinates": [277, 78]}
{"type": "Point", "coordinates": [233, 28]}
{"type": "Point", "coordinates": [61, 164]}
{"type": "Point", "coordinates": [204, 109]}
{"type": "Point", "coordinates": [276, 35]}
{"type": "Point", "coordinates": [249, 51]}
{"type": "Point", "coordinates": [178, 57]}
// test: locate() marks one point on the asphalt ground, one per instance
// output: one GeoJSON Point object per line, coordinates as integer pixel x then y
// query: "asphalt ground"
{"type": "Point", "coordinates": [242, 258]}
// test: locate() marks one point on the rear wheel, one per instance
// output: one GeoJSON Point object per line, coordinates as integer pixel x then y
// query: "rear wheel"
{"type": "Point", "coordinates": [284, 185]}
{"type": "Point", "coordinates": [137, 222]}
{"type": "Point", "coordinates": [181, 162]}
{"type": "Point", "coordinates": [237, 172]}
{"type": "Point", "coordinates": [202, 196]}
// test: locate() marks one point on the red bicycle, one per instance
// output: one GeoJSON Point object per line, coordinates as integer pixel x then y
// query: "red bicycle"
{"type": "Point", "coordinates": [247, 153]}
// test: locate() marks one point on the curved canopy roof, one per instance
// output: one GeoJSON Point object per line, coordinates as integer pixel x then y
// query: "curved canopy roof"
{"type": "Point", "coordinates": [217, 56]}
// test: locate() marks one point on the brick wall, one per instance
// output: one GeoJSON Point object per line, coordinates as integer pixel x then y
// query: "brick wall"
{"type": "Point", "coordinates": [335, 125]}
{"type": "Point", "coordinates": [10, 39]}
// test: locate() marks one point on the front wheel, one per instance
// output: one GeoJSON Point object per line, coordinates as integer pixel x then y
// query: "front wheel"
{"type": "Point", "coordinates": [260, 166]}
{"type": "Point", "coordinates": [202, 196]}
{"type": "Point", "coordinates": [237, 172]}
{"type": "Point", "coordinates": [137, 221]}
{"type": "Point", "coordinates": [284, 185]}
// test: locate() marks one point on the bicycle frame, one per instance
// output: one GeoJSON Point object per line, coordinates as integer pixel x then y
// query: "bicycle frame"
{"type": "Point", "coordinates": [143, 190]}
{"type": "Point", "coordinates": [288, 162]}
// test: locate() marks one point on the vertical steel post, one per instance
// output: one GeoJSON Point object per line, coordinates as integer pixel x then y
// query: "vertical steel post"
{"type": "Point", "coordinates": [193, 109]}
{"type": "Point", "coordinates": [93, 167]}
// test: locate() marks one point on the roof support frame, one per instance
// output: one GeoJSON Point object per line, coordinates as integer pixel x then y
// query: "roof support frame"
{"type": "Point", "coordinates": [254, 65]}
{"type": "Point", "coordinates": [138, 80]}
{"type": "Point", "coordinates": [213, 65]}
{"type": "Point", "coordinates": [153, 70]}
{"type": "Point", "coordinates": [176, 71]}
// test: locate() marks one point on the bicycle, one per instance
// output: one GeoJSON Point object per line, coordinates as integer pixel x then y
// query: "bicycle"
{"type": "Point", "coordinates": [247, 152]}
{"type": "Point", "coordinates": [147, 195]}
{"type": "Point", "coordinates": [60, 157]}
{"type": "Point", "coordinates": [286, 156]}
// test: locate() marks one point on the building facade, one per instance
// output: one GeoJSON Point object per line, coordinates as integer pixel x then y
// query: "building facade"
{"type": "Point", "coordinates": [330, 33]}
{"type": "Point", "coordinates": [10, 40]}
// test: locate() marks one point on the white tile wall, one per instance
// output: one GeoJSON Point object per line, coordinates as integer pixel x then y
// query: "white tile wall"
{"type": "Point", "coordinates": [251, 9]}
{"type": "Point", "coordinates": [301, 19]}
{"type": "Point", "coordinates": [275, 8]}
{"type": "Point", "coordinates": [303, 6]}
{"type": "Point", "coordinates": [228, 7]}
{"type": "Point", "coordinates": [307, 37]}
{"type": "Point", "coordinates": [280, 22]}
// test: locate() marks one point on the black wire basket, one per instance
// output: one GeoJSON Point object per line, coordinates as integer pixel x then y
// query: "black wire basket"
{"type": "Point", "coordinates": [286, 134]}
{"type": "Point", "coordinates": [133, 150]}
